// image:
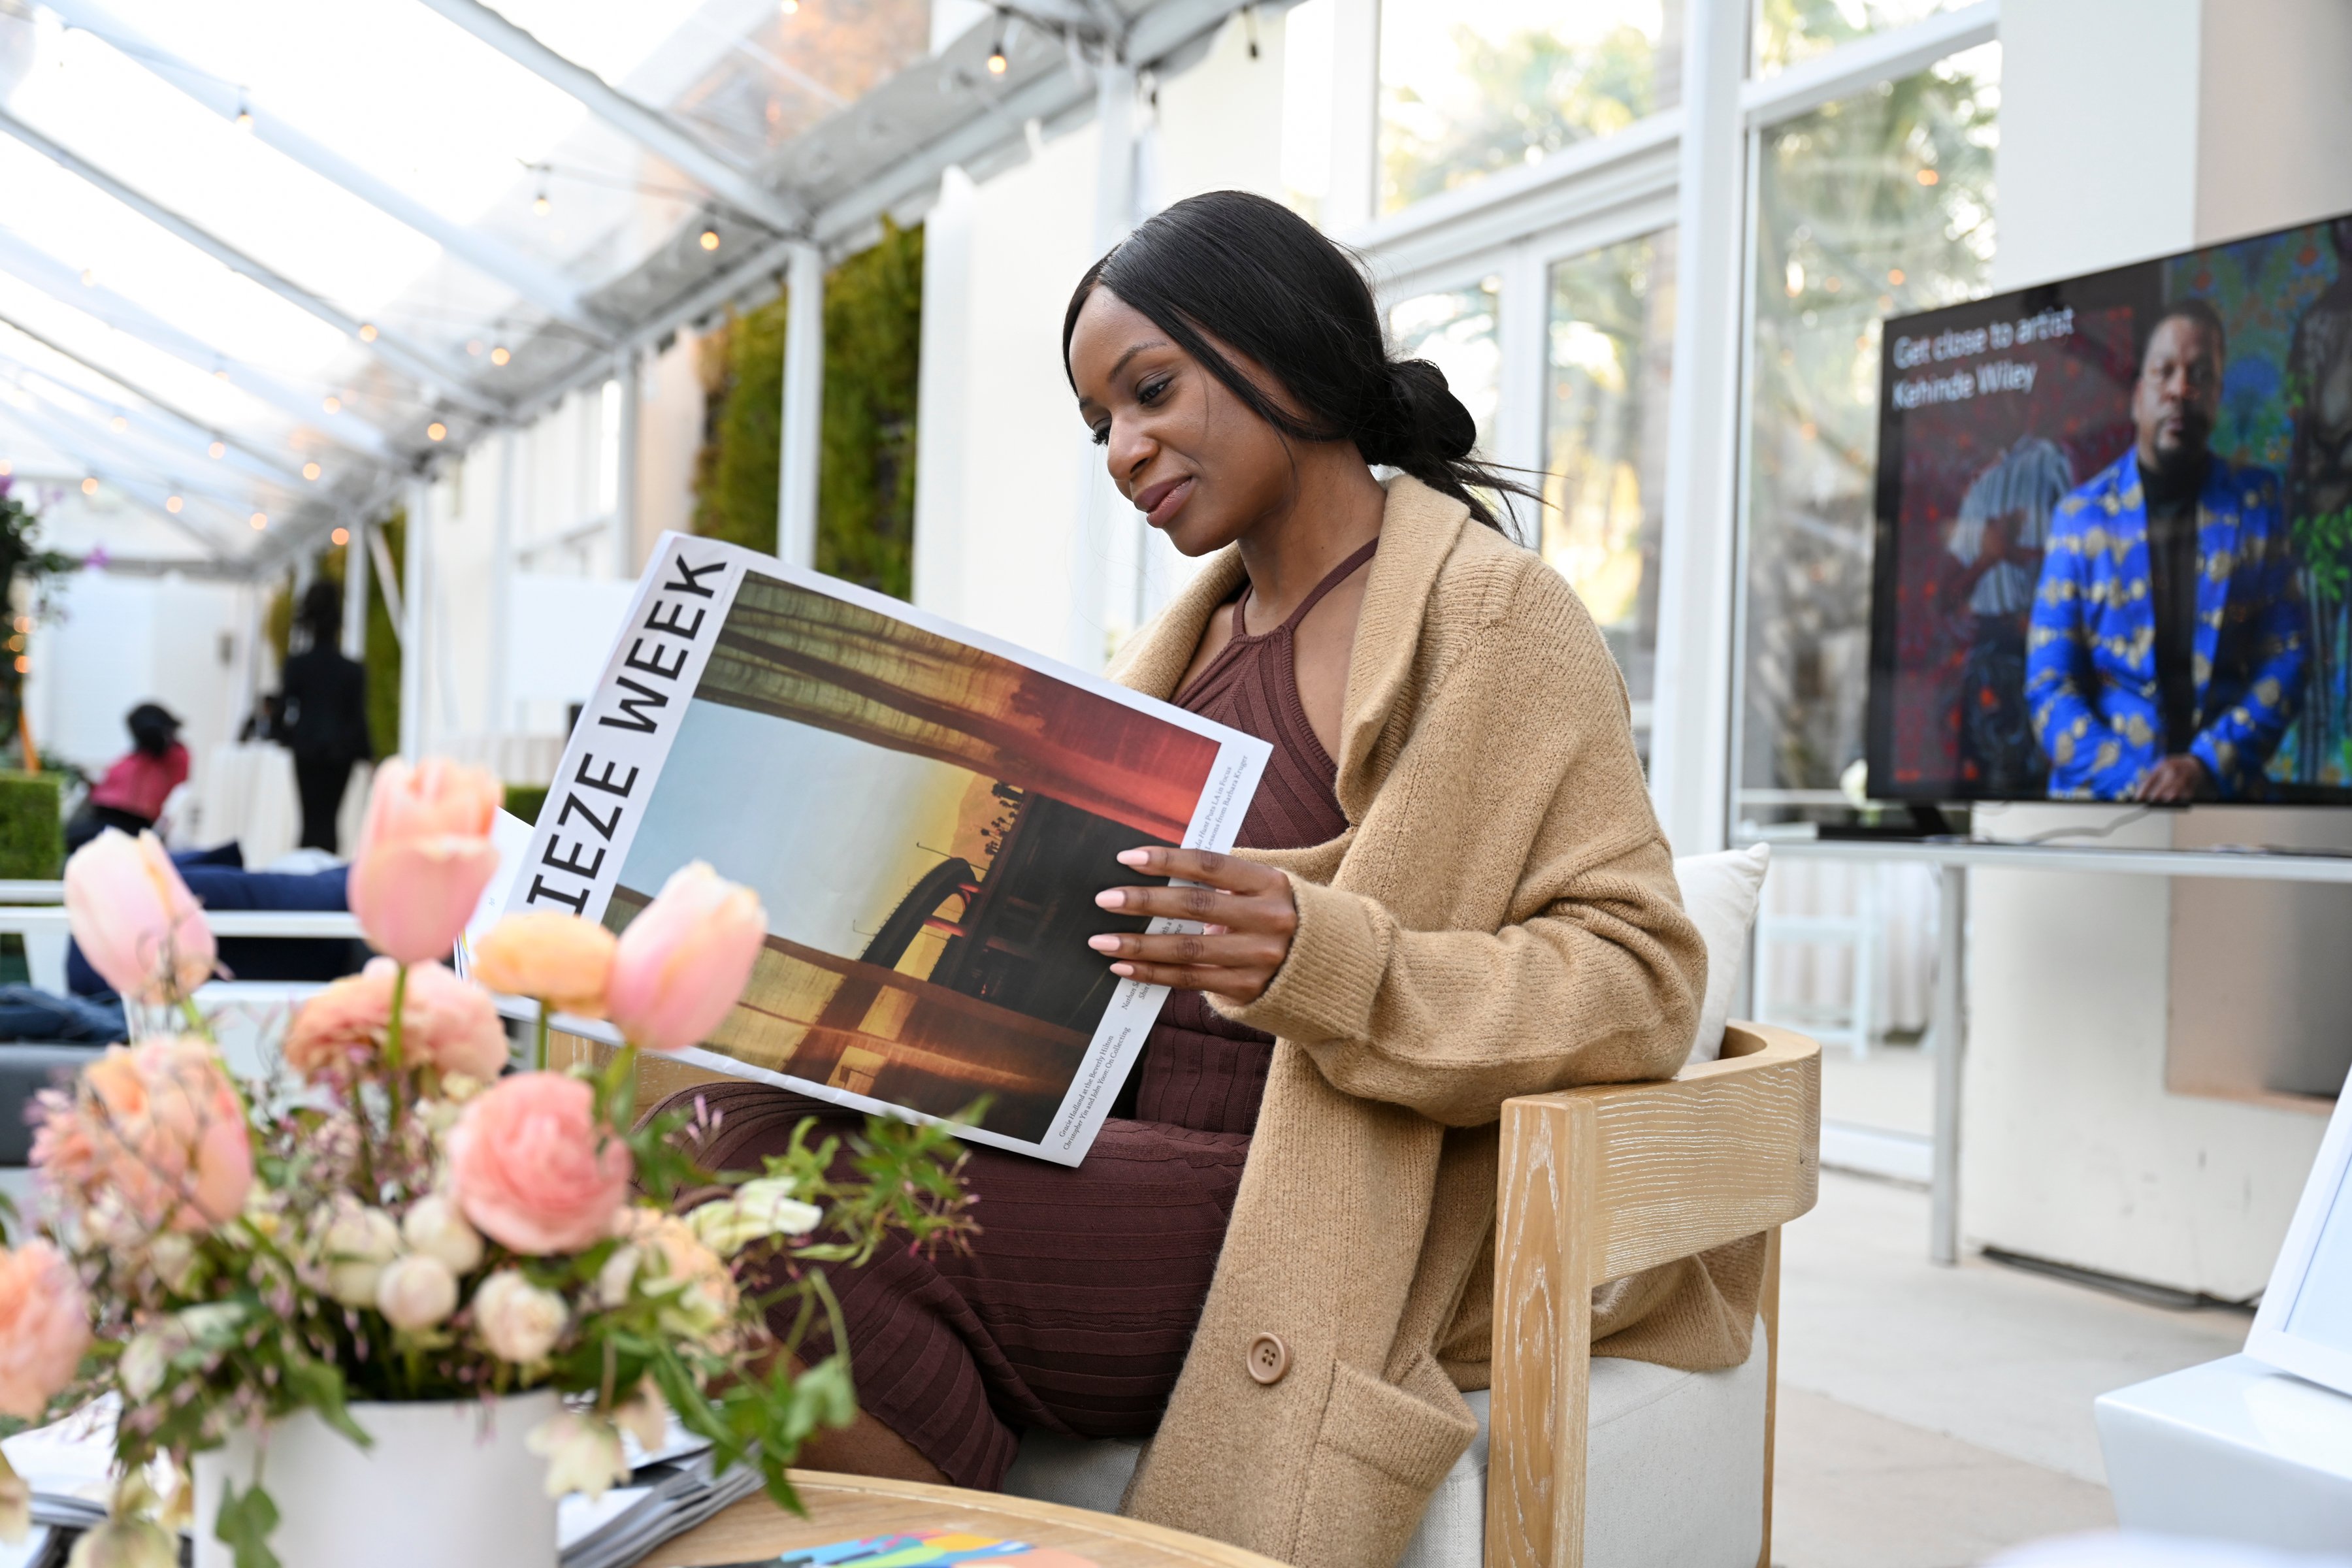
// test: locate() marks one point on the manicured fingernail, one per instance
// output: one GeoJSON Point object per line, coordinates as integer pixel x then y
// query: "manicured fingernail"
{"type": "Point", "coordinates": [1124, 971]}
{"type": "Point", "coordinates": [1103, 943]}
{"type": "Point", "coordinates": [1134, 856]}
{"type": "Point", "coordinates": [1111, 899]}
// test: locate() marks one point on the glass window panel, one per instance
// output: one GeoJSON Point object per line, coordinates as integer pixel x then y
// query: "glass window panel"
{"type": "Point", "coordinates": [1788, 31]}
{"type": "Point", "coordinates": [1875, 204]}
{"type": "Point", "coordinates": [1466, 91]}
{"type": "Point", "coordinates": [1454, 329]}
{"type": "Point", "coordinates": [1609, 349]}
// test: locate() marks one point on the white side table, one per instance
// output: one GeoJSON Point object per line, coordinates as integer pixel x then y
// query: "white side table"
{"type": "Point", "coordinates": [2233, 1450]}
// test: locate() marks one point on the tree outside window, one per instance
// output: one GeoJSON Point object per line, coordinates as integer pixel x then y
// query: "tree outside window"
{"type": "Point", "coordinates": [1874, 205]}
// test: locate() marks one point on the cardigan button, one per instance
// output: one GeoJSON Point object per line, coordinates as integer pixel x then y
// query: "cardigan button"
{"type": "Point", "coordinates": [1268, 1358]}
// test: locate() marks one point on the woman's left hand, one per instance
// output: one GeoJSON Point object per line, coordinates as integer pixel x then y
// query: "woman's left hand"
{"type": "Point", "coordinates": [1246, 914]}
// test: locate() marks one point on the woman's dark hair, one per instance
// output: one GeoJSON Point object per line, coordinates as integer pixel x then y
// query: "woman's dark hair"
{"type": "Point", "coordinates": [1259, 279]}
{"type": "Point", "coordinates": [153, 728]}
{"type": "Point", "coordinates": [322, 613]}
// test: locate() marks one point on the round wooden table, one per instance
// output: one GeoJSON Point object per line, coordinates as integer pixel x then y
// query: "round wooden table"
{"type": "Point", "coordinates": [845, 1508]}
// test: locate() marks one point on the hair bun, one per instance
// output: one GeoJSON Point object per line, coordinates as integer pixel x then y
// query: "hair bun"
{"type": "Point", "coordinates": [1427, 421]}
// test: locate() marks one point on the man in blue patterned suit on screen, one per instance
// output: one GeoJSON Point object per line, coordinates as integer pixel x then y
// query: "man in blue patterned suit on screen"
{"type": "Point", "coordinates": [2165, 655]}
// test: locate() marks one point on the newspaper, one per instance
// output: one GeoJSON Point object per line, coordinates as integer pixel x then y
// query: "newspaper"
{"type": "Point", "coordinates": [927, 815]}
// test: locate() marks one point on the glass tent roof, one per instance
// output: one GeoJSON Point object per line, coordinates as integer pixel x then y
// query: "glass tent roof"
{"type": "Point", "coordinates": [259, 258]}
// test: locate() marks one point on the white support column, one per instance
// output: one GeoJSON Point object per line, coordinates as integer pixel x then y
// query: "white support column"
{"type": "Point", "coordinates": [626, 506]}
{"type": "Point", "coordinates": [941, 410]}
{"type": "Point", "coordinates": [1354, 197]}
{"type": "Point", "coordinates": [1690, 748]}
{"type": "Point", "coordinates": [355, 587]}
{"type": "Point", "coordinates": [416, 588]}
{"type": "Point", "coordinates": [500, 717]}
{"type": "Point", "coordinates": [1521, 312]}
{"type": "Point", "coordinates": [1100, 598]}
{"type": "Point", "coordinates": [804, 415]}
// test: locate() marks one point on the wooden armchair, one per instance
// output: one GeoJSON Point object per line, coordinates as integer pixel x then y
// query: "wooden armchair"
{"type": "Point", "coordinates": [1598, 1184]}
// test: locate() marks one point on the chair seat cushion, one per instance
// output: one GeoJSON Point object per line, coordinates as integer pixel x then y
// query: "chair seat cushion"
{"type": "Point", "coordinates": [1673, 1472]}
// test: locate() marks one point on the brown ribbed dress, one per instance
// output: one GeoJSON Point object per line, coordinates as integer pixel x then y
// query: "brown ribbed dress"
{"type": "Point", "coordinates": [1074, 1305]}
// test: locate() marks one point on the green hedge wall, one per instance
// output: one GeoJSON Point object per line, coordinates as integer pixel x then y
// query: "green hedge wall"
{"type": "Point", "coordinates": [865, 474]}
{"type": "Point", "coordinates": [32, 827]}
{"type": "Point", "coordinates": [525, 801]}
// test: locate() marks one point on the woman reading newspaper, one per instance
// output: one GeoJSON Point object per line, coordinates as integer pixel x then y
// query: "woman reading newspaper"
{"type": "Point", "coordinates": [1450, 889]}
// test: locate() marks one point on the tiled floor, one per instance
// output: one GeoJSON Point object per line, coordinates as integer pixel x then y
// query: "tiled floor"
{"type": "Point", "coordinates": [1931, 1417]}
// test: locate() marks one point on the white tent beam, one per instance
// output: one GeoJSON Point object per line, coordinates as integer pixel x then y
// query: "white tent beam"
{"type": "Point", "coordinates": [77, 435]}
{"type": "Point", "coordinates": [803, 410]}
{"type": "Point", "coordinates": [650, 129]}
{"type": "Point", "coordinates": [98, 302]}
{"type": "Point", "coordinates": [419, 363]}
{"type": "Point", "coordinates": [538, 284]}
{"type": "Point", "coordinates": [139, 488]}
{"type": "Point", "coordinates": [190, 422]}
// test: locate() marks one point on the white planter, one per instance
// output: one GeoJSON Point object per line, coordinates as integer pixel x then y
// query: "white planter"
{"type": "Point", "coordinates": [448, 1484]}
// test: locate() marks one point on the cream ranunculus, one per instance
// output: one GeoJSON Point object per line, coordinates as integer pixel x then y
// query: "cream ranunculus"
{"type": "Point", "coordinates": [757, 1210]}
{"type": "Point", "coordinates": [126, 1544]}
{"type": "Point", "coordinates": [417, 1291]}
{"type": "Point", "coordinates": [644, 1415]}
{"type": "Point", "coordinates": [359, 1242]}
{"type": "Point", "coordinates": [560, 959]}
{"type": "Point", "coordinates": [16, 1505]}
{"type": "Point", "coordinates": [582, 1454]}
{"type": "Point", "coordinates": [433, 1226]}
{"type": "Point", "coordinates": [516, 1319]}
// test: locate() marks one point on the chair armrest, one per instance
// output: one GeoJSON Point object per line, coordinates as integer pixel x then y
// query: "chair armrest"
{"type": "Point", "coordinates": [1599, 1183]}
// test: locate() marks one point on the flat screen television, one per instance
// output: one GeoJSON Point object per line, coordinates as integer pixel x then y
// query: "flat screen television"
{"type": "Point", "coordinates": [2114, 535]}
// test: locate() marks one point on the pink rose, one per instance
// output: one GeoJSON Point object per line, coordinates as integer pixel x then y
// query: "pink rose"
{"type": "Point", "coordinates": [43, 1329]}
{"type": "Point", "coordinates": [532, 1168]}
{"type": "Point", "coordinates": [445, 1024]}
{"type": "Point", "coordinates": [425, 856]}
{"type": "Point", "coordinates": [158, 1127]}
{"type": "Point", "coordinates": [560, 959]}
{"type": "Point", "coordinates": [682, 963]}
{"type": "Point", "coordinates": [134, 919]}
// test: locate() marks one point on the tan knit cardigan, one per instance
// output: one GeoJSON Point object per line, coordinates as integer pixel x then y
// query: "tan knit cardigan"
{"type": "Point", "coordinates": [1501, 919]}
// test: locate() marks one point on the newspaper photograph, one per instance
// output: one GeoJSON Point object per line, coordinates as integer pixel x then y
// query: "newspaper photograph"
{"type": "Point", "coordinates": [926, 813]}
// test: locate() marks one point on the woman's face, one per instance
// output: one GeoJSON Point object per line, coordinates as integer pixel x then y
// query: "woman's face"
{"type": "Point", "coordinates": [1192, 458]}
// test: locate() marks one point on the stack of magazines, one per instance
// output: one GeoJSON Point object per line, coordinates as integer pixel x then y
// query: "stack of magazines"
{"type": "Point", "coordinates": [669, 1491]}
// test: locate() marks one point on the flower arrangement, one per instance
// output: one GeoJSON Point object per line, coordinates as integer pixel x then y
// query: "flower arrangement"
{"type": "Point", "coordinates": [404, 1224]}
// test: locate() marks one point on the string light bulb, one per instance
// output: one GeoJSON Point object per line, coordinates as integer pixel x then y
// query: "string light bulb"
{"type": "Point", "coordinates": [89, 277]}
{"type": "Point", "coordinates": [6, 467]}
{"type": "Point", "coordinates": [90, 487]}
{"type": "Point", "coordinates": [790, 7]}
{"type": "Point", "coordinates": [24, 665]}
{"type": "Point", "coordinates": [333, 404]}
{"type": "Point", "coordinates": [218, 451]}
{"type": "Point", "coordinates": [1928, 176]}
{"type": "Point", "coordinates": [173, 504]}
{"type": "Point", "coordinates": [996, 60]}
{"type": "Point", "coordinates": [436, 431]}
{"type": "Point", "coordinates": [500, 355]}
{"type": "Point", "coordinates": [310, 470]}
{"type": "Point", "coordinates": [709, 240]}
{"type": "Point", "coordinates": [342, 536]}
{"type": "Point", "coordinates": [260, 520]}
{"type": "Point", "coordinates": [119, 423]}
{"type": "Point", "coordinates": [367, 331]}
{"type": "Point", "coordinates": [243, 113]}
{"type": "Point", "coordinates": [539, 204]}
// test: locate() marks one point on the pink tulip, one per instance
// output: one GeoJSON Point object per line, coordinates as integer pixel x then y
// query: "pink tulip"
{"type": "Point", "coordinates": [532, 1168]}
{"type": "Point", "coordinates": [134, 919]}
{"type": "Point", "coordinates": [44, 1328]}
{"type": "Point", "coordinates": [425, 856]}
{"type": "Point", "coordinates": [156, 1127]}
{"type": "Point", "coordinates": [682, 962]}
{"type": "Point", "coordinates": [445, 1024]}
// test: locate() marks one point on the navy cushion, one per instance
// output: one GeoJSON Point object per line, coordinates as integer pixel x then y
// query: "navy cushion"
{"type": "Point", "coordinates": [257, 957]}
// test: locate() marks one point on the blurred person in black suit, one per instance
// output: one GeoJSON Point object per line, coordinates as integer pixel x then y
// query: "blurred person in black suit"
{"type": "Point", "coordinates": [323, 714]}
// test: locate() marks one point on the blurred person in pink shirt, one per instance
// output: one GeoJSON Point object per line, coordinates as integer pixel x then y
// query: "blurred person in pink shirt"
{"type": "Point", "coordinates": [132, 795]}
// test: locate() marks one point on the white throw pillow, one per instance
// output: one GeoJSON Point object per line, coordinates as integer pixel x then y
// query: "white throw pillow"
{"type": "Point", "coordinates": [1719, 894]}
